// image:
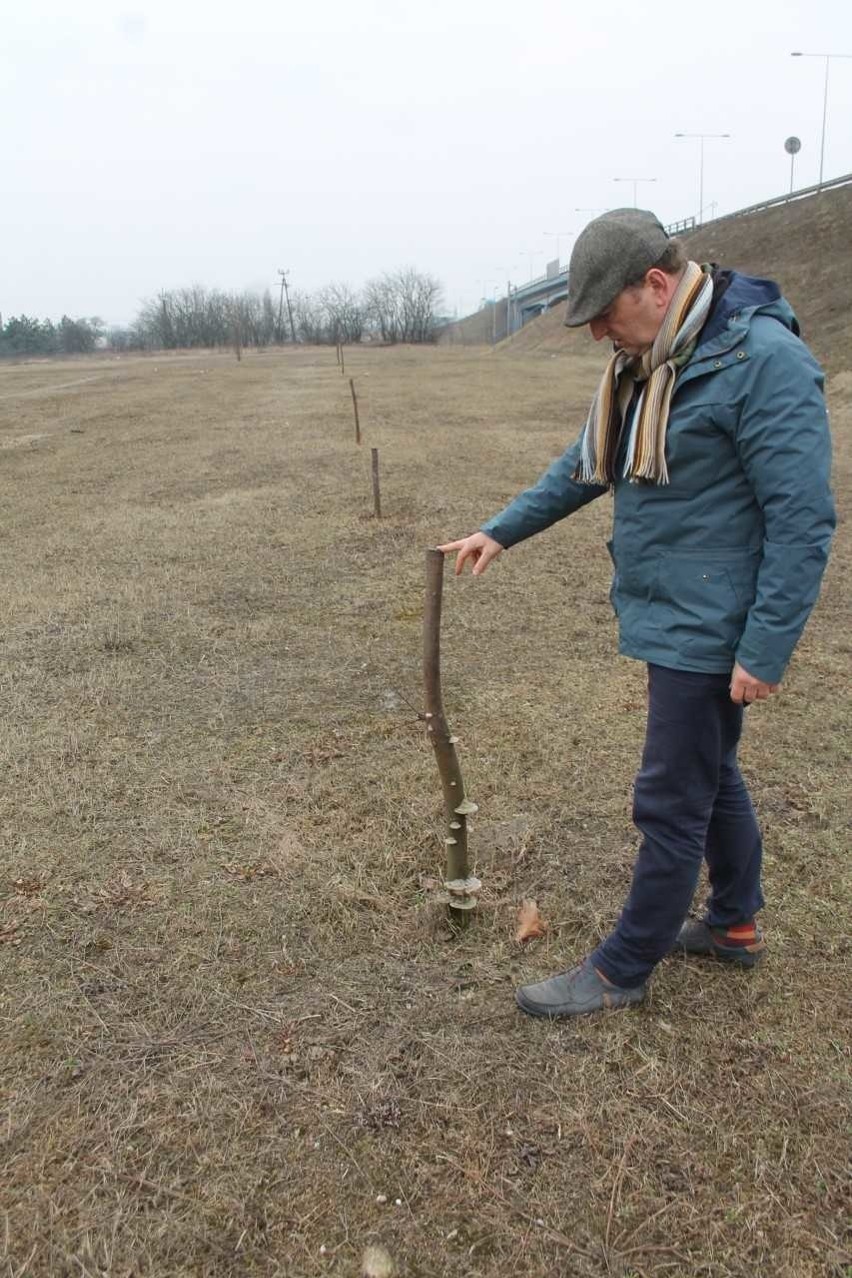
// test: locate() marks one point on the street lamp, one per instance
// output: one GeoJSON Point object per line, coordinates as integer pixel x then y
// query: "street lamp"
{"type": "Point", "coordinates": [635, 182]}
{"type": "Point", "coordinates": [828, 57]}
{"type": "Point", "coordinates": [702, 136]}
{"type": "Point", "coordinates": [558, 236]}
{"type": "Point", "coordinates": [490, 300]}
{"type": "Point", "coordinates": [508, 270]}
{"type": "Point", "coordinates": [531, 253]}
{"type": "Point", "coordinates": [494, 306]}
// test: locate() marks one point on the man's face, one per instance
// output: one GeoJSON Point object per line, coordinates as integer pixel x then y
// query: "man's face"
{"type": "Point", "coordinates": [631, 321]}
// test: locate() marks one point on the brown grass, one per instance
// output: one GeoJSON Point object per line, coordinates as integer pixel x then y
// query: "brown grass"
{"type": "Point", "coordinates": [238, 1038]}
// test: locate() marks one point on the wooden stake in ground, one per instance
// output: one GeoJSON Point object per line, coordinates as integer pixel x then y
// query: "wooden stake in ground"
{"type": "Point", "coordinates": [377, 496]}
{"type": "Point", "coordinates": [342, 364]}
{"type": "Point", "coordinates": [355, 406]}
{"type": "Point", "coordinates": [337, 353]}
{"type": "Point", "coordinates": [462, 889]}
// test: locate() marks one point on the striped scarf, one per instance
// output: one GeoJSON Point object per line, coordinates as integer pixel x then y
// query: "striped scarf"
{"type": "Point", "coordinates": [673, 347]}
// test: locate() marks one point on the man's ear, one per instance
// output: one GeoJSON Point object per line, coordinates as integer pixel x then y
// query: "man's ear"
{"type": "Point", "coordinates": [661, 285]}
{"type": "Point", "coordinates": [657, 279]}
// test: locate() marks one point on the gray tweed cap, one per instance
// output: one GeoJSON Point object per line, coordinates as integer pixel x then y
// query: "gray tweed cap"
{"type": "Point", "coordinates": [613, 251]}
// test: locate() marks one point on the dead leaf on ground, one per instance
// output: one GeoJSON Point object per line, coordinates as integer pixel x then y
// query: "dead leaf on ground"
{"type": "Point", "coordinates": [29, 886]}
{"type": "Point", "coordinates": [248, 871]}
{"type": "Point", "coordinates": [530, 923]}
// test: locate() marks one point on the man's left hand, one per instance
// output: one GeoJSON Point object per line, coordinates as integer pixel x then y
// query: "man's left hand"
{"type": "Point", "coordinates": [745, 688]}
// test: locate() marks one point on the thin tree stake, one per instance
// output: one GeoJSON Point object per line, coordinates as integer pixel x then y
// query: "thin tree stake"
{"type": "Point", "coordinates": [461, 887]}
{"type": "Point", "coordinates": [377, 496]}
{"type": "Point", "coordinates": [342, 364]}
{"type": "Point", "coordinates": [355, 406]}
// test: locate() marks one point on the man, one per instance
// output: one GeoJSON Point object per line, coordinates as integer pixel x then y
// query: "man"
{"type": "Point", "coordinates": [709, 425]}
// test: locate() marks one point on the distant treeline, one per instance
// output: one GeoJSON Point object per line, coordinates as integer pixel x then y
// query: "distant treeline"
{"type": "Point", "coordinates": [399, 306]}
{"type": "Point", "coordinates": [23, 335]}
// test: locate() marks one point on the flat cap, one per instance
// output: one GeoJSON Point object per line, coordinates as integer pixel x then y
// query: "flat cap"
{"type": "Point", "coordinates": [613, 251]}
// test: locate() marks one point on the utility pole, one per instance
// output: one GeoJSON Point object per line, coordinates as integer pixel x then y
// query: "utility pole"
{"type": "Point", "coordinates": [285, 292]}
{"type": "Point", "coordinates": [281, 308]}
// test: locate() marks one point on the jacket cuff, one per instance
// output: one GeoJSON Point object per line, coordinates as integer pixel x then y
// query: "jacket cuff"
{"type": "Point", "coordinates": [499, 530]}
{"type": "Point", "coordinates": [761, 666]}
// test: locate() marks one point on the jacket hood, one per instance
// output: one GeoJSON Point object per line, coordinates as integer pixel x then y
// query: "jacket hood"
{"type": "Point", "coordinates": [736, 293]}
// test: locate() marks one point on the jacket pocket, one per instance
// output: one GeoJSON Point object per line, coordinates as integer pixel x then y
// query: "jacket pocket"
{"type": "Point", "coordinates": [706, 597]}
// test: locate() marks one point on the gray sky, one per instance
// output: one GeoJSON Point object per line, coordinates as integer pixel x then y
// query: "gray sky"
{"type": "Point", "coordinates": [169, 142]}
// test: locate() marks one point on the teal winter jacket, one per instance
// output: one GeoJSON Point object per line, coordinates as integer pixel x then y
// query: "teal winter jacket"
{"type": "Point", "coordinates": [724, 562]}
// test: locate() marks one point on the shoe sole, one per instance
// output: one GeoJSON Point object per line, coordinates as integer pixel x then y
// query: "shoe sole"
{"type": "Point", "coordinates": [535, 1009]}
{"type": "Point", "coordinates": [738, 960]}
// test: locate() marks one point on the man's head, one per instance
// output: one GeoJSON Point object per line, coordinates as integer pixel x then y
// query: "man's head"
{"type": "Point", "coordinates": [623, 272]}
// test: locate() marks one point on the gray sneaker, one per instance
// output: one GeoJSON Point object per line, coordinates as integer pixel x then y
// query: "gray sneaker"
{"type": "Point", "coordinates": [744, 945]}
{"type": "Point", "coordinates": [575, 993]}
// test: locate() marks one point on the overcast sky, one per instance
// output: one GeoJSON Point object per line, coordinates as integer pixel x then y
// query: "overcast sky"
{"type": "Point", "coordinates": [168, 142]}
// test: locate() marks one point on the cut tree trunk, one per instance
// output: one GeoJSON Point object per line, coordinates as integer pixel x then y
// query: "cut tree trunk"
{"type": "Point", "coordinates": [461, 888]}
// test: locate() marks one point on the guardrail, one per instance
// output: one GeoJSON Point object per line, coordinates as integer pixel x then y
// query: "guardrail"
{"type": "Point", "coordinates": [688, 225]}
{"type": "Point", "coordinates": [520, 290]}
{"type": "Point", "coordinates": [677, 228]}
{"type": "Point", "coordinates": [778, 200]}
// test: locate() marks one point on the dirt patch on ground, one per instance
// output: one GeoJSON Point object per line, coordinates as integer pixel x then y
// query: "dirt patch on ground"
{"type": "Point", "coordinates": [238, 1038]}
{"type": "Point", "coordinates": [21, 441]}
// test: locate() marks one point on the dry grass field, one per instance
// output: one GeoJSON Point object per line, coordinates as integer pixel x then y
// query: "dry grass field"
{"type": "Point", "coordinates": [238, 1037]}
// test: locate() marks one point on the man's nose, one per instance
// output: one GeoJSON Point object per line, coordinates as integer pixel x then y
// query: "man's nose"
{"type": "Point", "coordinates": [597, 328]}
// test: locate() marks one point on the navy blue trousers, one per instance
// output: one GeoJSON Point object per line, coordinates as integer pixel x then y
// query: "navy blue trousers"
{"type": "Point", "coordinates": [690, 803]}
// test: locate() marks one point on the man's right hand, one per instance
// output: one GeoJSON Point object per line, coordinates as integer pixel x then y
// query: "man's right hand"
{"type": "Point", "coordinates": [479, 547]}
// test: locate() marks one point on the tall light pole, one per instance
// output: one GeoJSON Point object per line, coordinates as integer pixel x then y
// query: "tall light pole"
{"type": "Point", "coordinates": [491, 300]}
{"type": "Point", "coordinates": [494, 307]}
{"type": "Point", "coordinates": [531, 253]}
{"type": "Point", "coordinates": [828, 57]}
{"type": "Point", "coordinates": [635, 182]}
{"type": "Point", "coordinates": [508, 269]}
{"type": "Point", "coordinates": [702, 136]}
{"type": "Point", "coordinates": [558, 236]}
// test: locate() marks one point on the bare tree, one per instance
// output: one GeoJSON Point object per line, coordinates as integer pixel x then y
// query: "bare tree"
{"type": "Point", "coordinates": [309, 318]}
{"type": "Point", "coordinates": [268, 326]}
{"type": "Point", "coordinates": [381, 308]}
{"type": "Point", "coordinates": [343, 313]}
{"type": "Point", "coordinates": [398, 306]}
{"type": "Point", "coordinates": [401, 305]}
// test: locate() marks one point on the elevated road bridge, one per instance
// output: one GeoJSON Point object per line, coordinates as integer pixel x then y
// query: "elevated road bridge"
{"type": "Point", "coordinates": [502, 317]}
{"type": "Point", "coordinates": [530, 300]}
